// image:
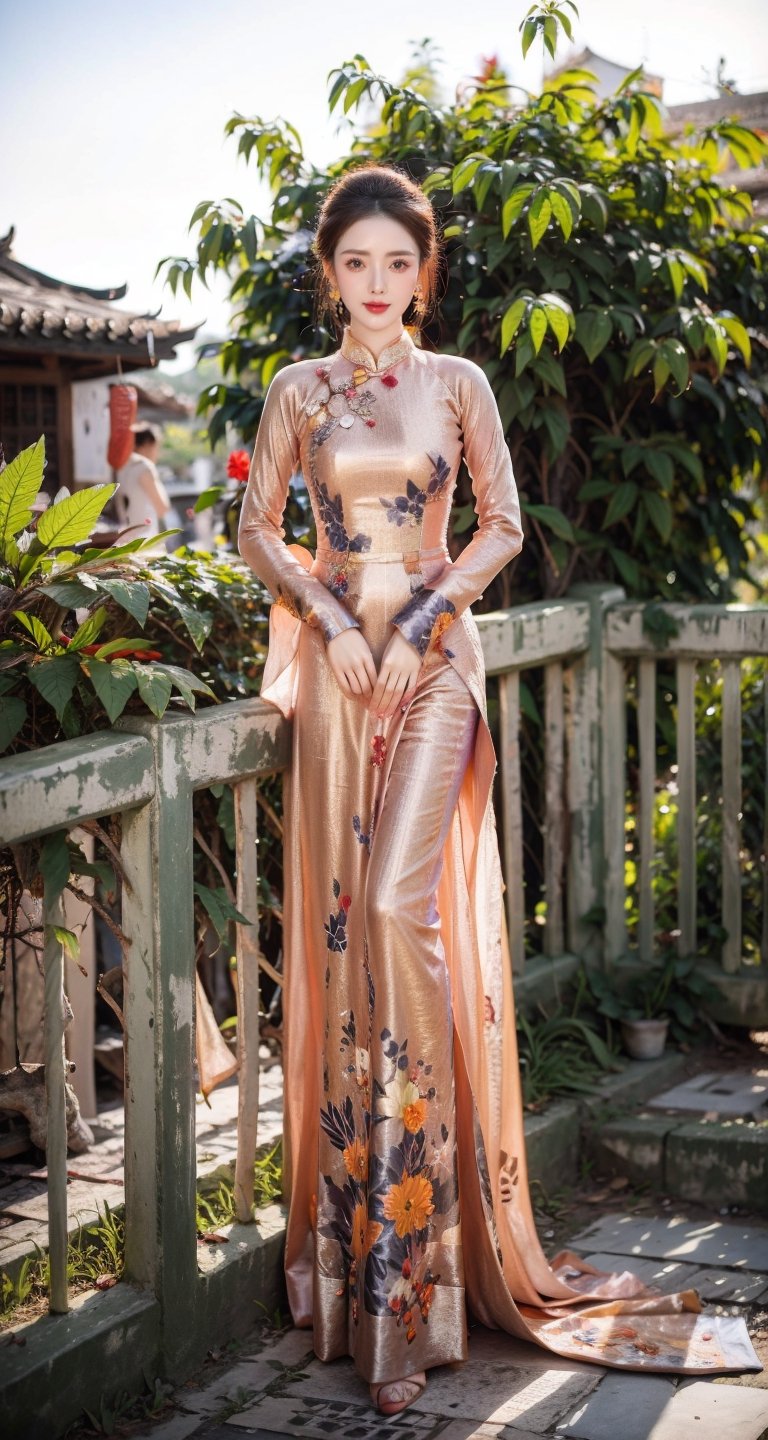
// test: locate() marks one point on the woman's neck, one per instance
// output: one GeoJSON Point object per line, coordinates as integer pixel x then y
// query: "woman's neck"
{"type": "Point", "coordinates": [375, 340]}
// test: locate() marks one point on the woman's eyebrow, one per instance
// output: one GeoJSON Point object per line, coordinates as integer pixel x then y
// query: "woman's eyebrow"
{"type": "Point", "coordinates": [355, 251]}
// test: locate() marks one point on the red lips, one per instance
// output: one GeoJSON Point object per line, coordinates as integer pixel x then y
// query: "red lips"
{"type": "Point", "coordinates": [373, 306]}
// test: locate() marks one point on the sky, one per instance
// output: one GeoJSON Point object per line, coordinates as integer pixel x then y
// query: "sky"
{"type": "Point", "coordinates": [112, 117]}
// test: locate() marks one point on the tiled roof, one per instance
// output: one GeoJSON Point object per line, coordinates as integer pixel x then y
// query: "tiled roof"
{"type": "Point", "coordinates": [39, 313]}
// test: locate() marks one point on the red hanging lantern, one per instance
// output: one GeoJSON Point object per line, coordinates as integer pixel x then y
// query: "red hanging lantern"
{"type": "Point", "coordinates": [123, 407]}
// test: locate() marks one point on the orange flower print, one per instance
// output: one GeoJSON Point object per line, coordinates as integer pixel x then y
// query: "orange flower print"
{"type": "Point", "coordinates": [355, 1158]}
{"type": "Point", "coordinates": [372, 1233]}
{"type": "Point", "coordinates": [414, 1115]}
{"type": "Point", "coordinates": [365, 1232]}
{"type": "Point", "coordinates": [409, 1204]}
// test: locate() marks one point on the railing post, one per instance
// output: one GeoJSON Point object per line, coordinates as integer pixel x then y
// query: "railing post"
{"type": "Point", "coordinates": [56, 1104]}
{"type": "Point", "coordinates": [248, 994]}
{"type": "Point", "coordinates": [596, 752]}
{"type": "Point", "coordinates": [160, 1155]}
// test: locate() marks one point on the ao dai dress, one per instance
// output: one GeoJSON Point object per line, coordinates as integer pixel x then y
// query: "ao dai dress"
{"type": "Point", "coordinates": [405, 1168]}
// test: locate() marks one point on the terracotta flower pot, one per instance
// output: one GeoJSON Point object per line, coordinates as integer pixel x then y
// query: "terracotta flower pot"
{"type": "Point", "coordinates": [645, 1039]}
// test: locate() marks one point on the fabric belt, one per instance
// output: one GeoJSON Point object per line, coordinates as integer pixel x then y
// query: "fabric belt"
{"type": "Point", "coordinates": [324, 552]}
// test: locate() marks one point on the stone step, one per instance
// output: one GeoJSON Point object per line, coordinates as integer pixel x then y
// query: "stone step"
{"type": "Point", "coordinates": [707, 1161]}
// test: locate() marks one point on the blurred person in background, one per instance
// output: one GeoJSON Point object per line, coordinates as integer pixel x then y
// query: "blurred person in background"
{"type": "Point", "coordinates": [142, 499]}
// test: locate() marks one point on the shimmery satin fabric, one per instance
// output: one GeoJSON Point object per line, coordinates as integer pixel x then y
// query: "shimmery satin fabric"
{"type": "Point", "coordinates": [405, 1166]}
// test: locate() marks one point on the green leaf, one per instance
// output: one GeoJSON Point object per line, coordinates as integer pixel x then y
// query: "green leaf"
{"type": "Point", "coordinates": [661, 466]}
{"type": "Point", "coordinates": [71, 594]}
{"type": "Point", "coordinates": [20, 482]}
{"type": "Point", "coordinates": [676, 356]}
{"type": "Point", "coordinates": [513, 206]}
{"type": "Point", "coordinates": [131, 595]}
{"type": "Point", "coordinates": [41, 636]}
{"type": "Point", "coordinates": [154, 686]}
{"type": "Point", "coordinates": [621, 502]}
{"type": "Point", "coordinates": [539, 216]}
{"type": "Point", "coordinates": [209, 497]}
{"type": "Point", "coordinates": [537, 327]}
{"type": "Point", "coordinates": [464, 172]}
{"type": "Point", "coordinates": [550, 516]}
{"type": "Point", "coordinates": [511, 321]}
{"type": "Point", "coordinates": [558, 324]}
{"type": "Point", "coordinates": [562, 213]}
{"type": "Point", "coordinates": [593, 331]}
{"type": "Point", "coordinates": [660, 512]}
{"type": "Point", "coordinates": [67, 939]}
{"type": "Point", "coordinates": [628, 568]}
{"type": "Point", "coordinates": [736, 331]}
{"type": "Point", "coordinates": [13, 713]}
{"type": "Point", "coordinates": [113, 682]}
{"type": "Point", "coordinates": [186, 683]}
{"type": "Point", "coordinates": [86, 633]}
{"type": "Point", "coordinates": [73, 518]}
{"type": "Point", "coordinates": [529, 35]}
{"type": "Point", "coordinates": [219, 909]}
{"type": "Point", "coordinates": [136, 642]}
{"type": "Point", "coordinates": [54, 864]}
{"type": "Point", "coordinates": [55, 679]}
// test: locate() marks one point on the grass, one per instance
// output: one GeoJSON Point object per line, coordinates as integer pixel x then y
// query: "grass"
{"type": "Point", "coordinates": [96, 1254]}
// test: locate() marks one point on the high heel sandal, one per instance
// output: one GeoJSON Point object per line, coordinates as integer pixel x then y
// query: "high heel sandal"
{"type": "Point", "coordinates": [395, 1405]}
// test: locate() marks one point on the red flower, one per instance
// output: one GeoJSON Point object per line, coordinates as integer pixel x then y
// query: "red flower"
{"type": "Point", "coordinates": [322, 371]}
{"type": "Point", "coordinates": [346, 901]}
{"type": "Point", "coordinates": [389, 380]}
{"type": "Point", "coordinates": [370, 424]}
{"type": "Point", "coordinates": [238, 465]}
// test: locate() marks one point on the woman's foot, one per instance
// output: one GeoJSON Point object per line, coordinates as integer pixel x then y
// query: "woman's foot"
{"type": "Point", "coordinates": [394, 1395]}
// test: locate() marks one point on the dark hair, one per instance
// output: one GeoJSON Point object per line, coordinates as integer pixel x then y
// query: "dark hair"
{"type": "Point", "coordinates": [145, 434]}
{"type": "Point", "coordinates": [371, 189]}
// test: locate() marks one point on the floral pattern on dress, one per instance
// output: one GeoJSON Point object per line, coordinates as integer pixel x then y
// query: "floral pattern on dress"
{"type": "Point", "coordinates": [410, 1186]}
{"type": "Point", "coordinates": [423, 618]}
{"type": "Point", "coordinates": [410, 506]}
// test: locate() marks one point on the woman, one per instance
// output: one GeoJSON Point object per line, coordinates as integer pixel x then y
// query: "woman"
{"type": "Point", "coordinates": [404, 1150]}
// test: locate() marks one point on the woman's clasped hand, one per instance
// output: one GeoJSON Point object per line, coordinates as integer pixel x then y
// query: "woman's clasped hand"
{"type": "Point", "coordinates": [352, 663]}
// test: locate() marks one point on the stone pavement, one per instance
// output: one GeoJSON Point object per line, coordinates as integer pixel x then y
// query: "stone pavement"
{"type": "Point", "coordinates": [509, 1390]}
{"type": "Point", "coordinates": [99, 1174]}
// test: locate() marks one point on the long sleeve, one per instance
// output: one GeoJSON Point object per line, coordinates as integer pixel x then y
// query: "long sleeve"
{"type": "Point", "coordinates": [260, 532]}
{"type": "Point", "coordinates": [499, 534]}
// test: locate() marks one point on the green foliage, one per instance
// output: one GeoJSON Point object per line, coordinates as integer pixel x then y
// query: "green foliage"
{"type": "Point", "coordinates": [563, 1053]}
{"type": "Point", "coordinates": [608, 280]}
{"type": "Point", "coordinates": [673, 985]}
{"type": "Point", "coordinates": [78, 670]}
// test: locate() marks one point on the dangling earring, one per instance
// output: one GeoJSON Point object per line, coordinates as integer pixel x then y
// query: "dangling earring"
{"type": "Point", "coordinates": [419, 303]}
{"type": "Point", "coordinates": [338, 303]}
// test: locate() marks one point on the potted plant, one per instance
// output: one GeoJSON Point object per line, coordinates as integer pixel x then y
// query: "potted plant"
{"type": "Point", "coordinates": [666, 996]}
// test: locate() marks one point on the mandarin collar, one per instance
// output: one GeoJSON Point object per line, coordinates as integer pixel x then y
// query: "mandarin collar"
{"type": "Point", "coordinates": [354, 350]}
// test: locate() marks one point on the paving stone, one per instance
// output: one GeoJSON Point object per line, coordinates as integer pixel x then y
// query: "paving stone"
{"type": "Point", "coordinates": [254, 1373]}
{"type": "Point", "coordinates": [668, 1275]}
{"type": "Point", "coordinates": [705, 1243]}
{"type": "Point", "coordinates": [638, 1080]}
{"type": "Point", "coordinates": [81, 1197]}
{"type": "Point", "coordinates": [320, 1419]}
{"type": "Point", "coordinates": [177, 1428]}
{"type": "Point", "coordinates": [729, 1285]}
{"type": "Point", "coordinates": [626, 1405]}
{"type": "Point", "coordinates": [492, 1393]}
{"type": "Point", "coordinates": [713, 1412]}
{"type": "Point", "coordinates": [739, 1092]}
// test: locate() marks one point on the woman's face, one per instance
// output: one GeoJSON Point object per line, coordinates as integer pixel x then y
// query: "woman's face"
{"type": "Point", "coordinates": [376, 262]}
